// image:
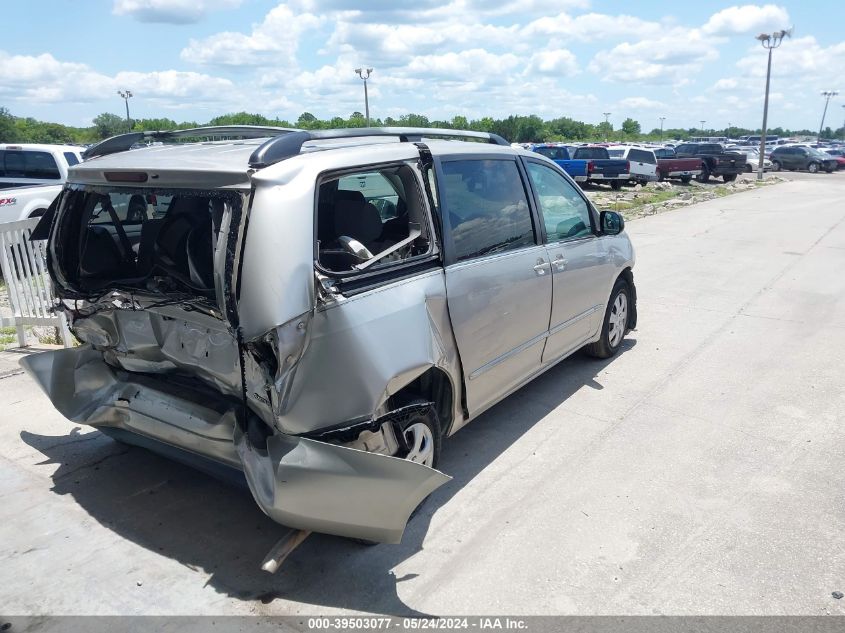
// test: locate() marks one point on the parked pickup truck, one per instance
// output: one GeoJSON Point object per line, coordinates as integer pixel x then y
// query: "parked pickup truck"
{"type": "Point", "coordinates": [715, 160]}
{"type": "Point", "coordinates": [602, 168]}
{"type": "Point", "coordinates": [561, 155]}
{"type": "Point", "coordinates": [22, 165]}
{"type": "Point", "coordinates": [31, 176]}
{"type": "Point", "coordinates": [26, 202]}
{"type": "Point", "coordinates": [670, 166]}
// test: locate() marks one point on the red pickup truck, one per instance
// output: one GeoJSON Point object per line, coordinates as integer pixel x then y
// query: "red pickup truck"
{"type": "Point", "coordinates": [668, 166]}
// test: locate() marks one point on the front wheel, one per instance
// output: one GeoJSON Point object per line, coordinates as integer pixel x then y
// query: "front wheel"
{"type": "Point", "coordinates": [776, 166]}
{"type": "Point", "coordinates": [829, 170]}
{"type": "Point", "coordinates": [705, 174]}
{"type": "Point", "coordinates": [729, 177]}
{"type": "Point", "coordinates": [813, 168]}
{"type": "Point", "coordinates": [615, 323]}
{"type": "Point", "coordinates": [686, 179]}
{"type": "Point", "coordinates": [616, 185]}
{"type": "Point", "coordinates": [748, 168]}
{"type": "Point", "coordinates": [660, 177]}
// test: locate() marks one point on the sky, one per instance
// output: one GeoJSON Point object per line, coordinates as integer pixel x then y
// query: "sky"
{"type": "Point", "coordinates": [196, 59]}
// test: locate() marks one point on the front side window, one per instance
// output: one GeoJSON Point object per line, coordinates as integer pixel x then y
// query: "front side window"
{"type": "Point", "coordinates": [566, 214]}
{"type": "Point", "coordinates": [371, 217]}
{"type": "Point", "coordinates": [487, 206]}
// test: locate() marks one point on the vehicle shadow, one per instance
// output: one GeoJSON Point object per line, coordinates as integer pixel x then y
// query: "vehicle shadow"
{"type": "Point", "coordinates": [218, 531]}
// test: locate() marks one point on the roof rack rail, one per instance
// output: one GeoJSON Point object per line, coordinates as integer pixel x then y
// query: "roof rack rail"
{"type": "Point", "coordinates": [287, 145]}
{"type": "Point", "coordinates": [123, 142]}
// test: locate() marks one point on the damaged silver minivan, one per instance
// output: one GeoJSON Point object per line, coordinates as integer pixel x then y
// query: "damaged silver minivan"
{"type": "Point", "coordinates": [318, 309]}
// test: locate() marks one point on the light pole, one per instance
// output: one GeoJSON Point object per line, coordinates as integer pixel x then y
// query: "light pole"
{"type": "Point", "coordinates": [606, 124]}
{"type": "Point", "coordinates": [769, 41]}
{"type": "Point", "coordinates": [662, 119]}
{"type": "Point", "coordinates": [702, 127]}
{"type": "Point", "coordinates": [365, 74]}
{"type": "Point", "coordinates": [728, 131]}
{"type": "Point", "coordinates": [827, 94]}
{"type": "Point", "coordinates": [126, 95]}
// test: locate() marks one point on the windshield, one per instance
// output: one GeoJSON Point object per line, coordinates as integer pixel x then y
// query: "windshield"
{"type": "Point", "coordinates": [151, 239]}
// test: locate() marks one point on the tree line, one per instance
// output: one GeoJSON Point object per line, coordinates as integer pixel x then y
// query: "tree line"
{"type": "Point", "coordinates": [515, 128]}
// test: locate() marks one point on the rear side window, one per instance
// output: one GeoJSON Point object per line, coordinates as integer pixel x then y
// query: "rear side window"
{"type": "Point", "coordinates": [487, 206]}
{"type": "Point", "coordinates": [555, 153]}
{"type": "Point", "coordinates": [597, 153]}
{"type": "Point", "coordinates": [616, 153]}
{"type": "Point", "coordinates": [28, 164]}
{"type": "Point", "coordinates": [71, 158]}
{"type": "Point", "coordinates": [664, 153]}
{"type": "Point", "coordinates": [687, 148]}
{"type": "Point", "coordinates": [370, 218]}
{"type": "Point", "coordinates": [641, 156]}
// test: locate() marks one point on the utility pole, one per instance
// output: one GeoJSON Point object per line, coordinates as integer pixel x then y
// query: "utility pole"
{"type": "Point", "coordinates": [126, 95]}
{"type": "Point", "coordinates": [769, 41]}
{"type": "Point", "coordinates": [827, 94]}
{"type": "Point", "coordinates": [365, 74]}
{"type": "Point", "coordinates": [606, 124]}
{"type": "Point", "coordinates": [702, 127]}
{"type": "Point", "coordinates": [662, 119]}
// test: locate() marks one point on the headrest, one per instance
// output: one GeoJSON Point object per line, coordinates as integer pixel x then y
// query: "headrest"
{"type": "Point", "coordinates": [360, 220]}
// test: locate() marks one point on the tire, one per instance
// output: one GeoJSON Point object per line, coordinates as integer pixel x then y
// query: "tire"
{"type": "Point", "coordinates": [748, 168]}
{"type": "Point", "coordinates": [776, 166]}
{"type": "Point", "coordinates": [686, 179]}
{"type": "Point", "coordinates": [611, 336]}
{"type": "Point", "coordinates": [615, 185]}
{"type": "Point", "coordinates": [829, 170]}
{"type": "Point", "coordinates": [729, 177]}
{"type": "Point", "coordinates": [813, 168]}
{"type": "Point", "coordinates": [427, 422]}
{"type": "Point", "coordinates": [705, 174]}
{"type": "Point", "coordinates": [660, 177]}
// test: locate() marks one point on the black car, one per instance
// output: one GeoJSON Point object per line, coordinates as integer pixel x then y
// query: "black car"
{"type": "Point", "coordinates": [795, 157]}
{"type": "Point", "coordinates": [716, 161]}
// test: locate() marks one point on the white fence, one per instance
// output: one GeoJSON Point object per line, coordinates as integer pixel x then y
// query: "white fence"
{"type": "Point", "coordinates": [24, 266]}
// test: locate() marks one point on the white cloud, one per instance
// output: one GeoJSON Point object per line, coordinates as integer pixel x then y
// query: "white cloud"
{"type": "Point", "coordinates": [558, 62]}
{"type": "Point", "coordinates": [275, 40]}
{"type": "Point", "coordinates": [44, 79]}
{"type": "Point", "coordinates": [170, 11]}
{"type": "Point", "coordinates": [673, 58]}
{"type": "Point", "coordinates": [592, 26]}
{"type": "Point", "coordinates": [748, 18]}
{"type": "Point", "coordinates": [640, 103]}
{"type": "Point", "coordinates": [726, 84]}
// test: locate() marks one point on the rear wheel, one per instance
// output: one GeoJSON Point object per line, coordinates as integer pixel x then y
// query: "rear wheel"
{"type": "Point", "coordinates": [748, 168]}
{"type": "Point", "coordinates": [813, 168]}
{"type": "Point", "coordinates": [615, 322]}
{"type": "Point", "coordinates": [616, 185]}
{"type": "Point", "coordinates": [729, 177]}
{"type": "Point", "coordinates": [686, 179]}
{"type": "Point", "coordinates": [705, 174]}
{"type": "Point", "coordinates": [660, 177]}
{"type": "Point", "coordinates": [776, 166]}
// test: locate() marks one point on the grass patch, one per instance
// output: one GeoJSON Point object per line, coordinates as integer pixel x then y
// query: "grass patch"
{"type": "Point", "coordinates": [8, 335]}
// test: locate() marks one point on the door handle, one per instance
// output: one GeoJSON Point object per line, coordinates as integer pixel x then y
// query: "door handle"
{"type": "Point", "coordinates": [560, 263]}
{"type": "Point", "coordinates": [541, 267]}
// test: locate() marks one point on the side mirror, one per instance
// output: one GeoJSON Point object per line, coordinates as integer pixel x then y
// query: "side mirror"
{"type": "Point", "coordinates": [612, 223]}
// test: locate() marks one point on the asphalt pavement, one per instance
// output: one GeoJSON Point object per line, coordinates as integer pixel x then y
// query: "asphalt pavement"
{"type": "Point", "coordinates": [698, 472]}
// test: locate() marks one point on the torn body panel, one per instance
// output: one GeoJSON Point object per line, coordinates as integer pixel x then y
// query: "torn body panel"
{"type": "Point", "coordinates": [364, 349]}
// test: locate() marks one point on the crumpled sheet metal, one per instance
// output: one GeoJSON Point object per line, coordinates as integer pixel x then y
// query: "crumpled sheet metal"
{"type": "Point", "coordinates": [311, 485]}
{"type": "Point", "coordinates": [299, 482]}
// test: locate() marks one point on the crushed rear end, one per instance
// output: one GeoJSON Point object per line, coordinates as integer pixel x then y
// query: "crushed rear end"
{"type": "Point", "coordinates": [147, 265]}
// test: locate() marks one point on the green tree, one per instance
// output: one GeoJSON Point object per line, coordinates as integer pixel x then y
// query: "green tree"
{"type": "Point", "coordinates": [306, 120]}
{"type": "Point", "coordinates": [630, 127]}
{"type": "Point", "coordinates": [107, 124]}
{"type": "Point", "coordinates": [8, 131]}
{"type": "Point", "coordinates": [459, 122]}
